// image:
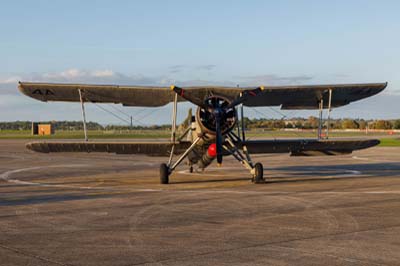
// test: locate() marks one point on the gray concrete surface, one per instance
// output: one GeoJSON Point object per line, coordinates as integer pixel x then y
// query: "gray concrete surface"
{"type": "Point", "coordinates": [104, 209]}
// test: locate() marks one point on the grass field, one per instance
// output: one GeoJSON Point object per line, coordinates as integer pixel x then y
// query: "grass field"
{"type": "Point", "coordinates": [386, 140]}
{"type": "Point", "coordinates": [390, 142]}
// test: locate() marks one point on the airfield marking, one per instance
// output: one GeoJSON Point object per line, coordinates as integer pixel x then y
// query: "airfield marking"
{"type": "Point", "coordinates": [6, 176]}
{"type": "Point", "coordinates": [373, 160]}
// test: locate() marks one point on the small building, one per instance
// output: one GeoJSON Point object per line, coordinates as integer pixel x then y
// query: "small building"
{"type": "Point", "coordinates": [42, 129]}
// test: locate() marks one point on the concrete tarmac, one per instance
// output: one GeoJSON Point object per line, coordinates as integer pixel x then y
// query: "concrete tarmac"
{"type": "Point", "coordinates": [106, 209]}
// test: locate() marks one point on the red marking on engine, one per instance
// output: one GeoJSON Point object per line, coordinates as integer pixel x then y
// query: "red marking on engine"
{"type": "Point", "coordinates": [212, 150]}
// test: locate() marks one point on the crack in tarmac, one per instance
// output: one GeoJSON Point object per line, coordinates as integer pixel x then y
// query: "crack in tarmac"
{"type": "Point", "coordinates": [30, 255]}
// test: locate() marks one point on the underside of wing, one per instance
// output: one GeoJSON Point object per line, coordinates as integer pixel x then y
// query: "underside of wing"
{"type": "Point", "coordinates": [288, 97]}
{"type": "Point", "coordinates": [126, 95]}
{"type": "Point", "coordinates": [309, 97]}
{"type": "Point", "coordinates": [147, 148]}
{"type": "Point", "coordinates": [309, 147]}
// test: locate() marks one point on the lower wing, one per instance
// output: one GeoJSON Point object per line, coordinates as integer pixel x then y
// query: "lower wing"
{"type": "Point", "coordinates": [296, 147]}
{"type": "Point", "coordinates": [148, 148]}
{"type": "Point", "coordinates": [309, 147]}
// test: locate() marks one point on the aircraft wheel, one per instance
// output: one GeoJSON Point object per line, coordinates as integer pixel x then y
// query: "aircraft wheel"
{"type": "Point", "coordinates": [259, 173]}
{"type": "Point", "coordinates": [164, 174]}
{"type": "Point", "coordinates": [191, 169]}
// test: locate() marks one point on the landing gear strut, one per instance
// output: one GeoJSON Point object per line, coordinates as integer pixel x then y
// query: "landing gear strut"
{"type": "Point", "coordinates": [255, 169]}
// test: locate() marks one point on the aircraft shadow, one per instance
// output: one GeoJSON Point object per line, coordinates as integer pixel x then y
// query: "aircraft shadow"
{"type": "Point", "coordinates": [210, 180]}
{"type": "Point", "coordinates": [314, 173]}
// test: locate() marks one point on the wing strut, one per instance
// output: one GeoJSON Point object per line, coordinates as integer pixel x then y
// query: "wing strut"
{"type": "Point", "coordinates": [329, 113]}
{"type": "Point", "coordinates": [83, 114]}
{"type": "Point", "coordinates": [242, 123]}
{"type": "Point", "coordinates": [321, 109]}
{"type": "Point", "coordinates": [173, 130]}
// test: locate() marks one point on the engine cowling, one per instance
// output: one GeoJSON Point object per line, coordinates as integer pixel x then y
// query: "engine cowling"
{"type": "Point", "coordinates": [206, 118]}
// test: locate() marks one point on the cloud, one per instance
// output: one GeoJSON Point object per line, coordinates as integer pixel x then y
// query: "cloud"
{"type": "Point", "coordinates": [271, 79]}
{"type": "Point", "coordinates": [206, 67]}
{"type": "Point", "coordinates": [8, 85]}
{"type": "Point", "coordinates": [177, 68]}
{"type": "Point", "coordinates": [10, 80]}
{"type": "Point", "coordinates": [74, 74]}
{"type": "Point", "coordinates": [181, 68]}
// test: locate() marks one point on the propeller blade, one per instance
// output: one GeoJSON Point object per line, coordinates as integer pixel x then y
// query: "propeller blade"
{"type": "Point", "coordinates": [188, 95]}
{"type": "Point", "coordinates": [244, 95]}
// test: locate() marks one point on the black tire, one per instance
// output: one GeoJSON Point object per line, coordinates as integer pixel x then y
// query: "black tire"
{"type": "Point", "coordinates": [258, 173]}
{"type": "Point", "coordinates": [191, 169]}
{"type": "Point", "coordinates": [164, 174]}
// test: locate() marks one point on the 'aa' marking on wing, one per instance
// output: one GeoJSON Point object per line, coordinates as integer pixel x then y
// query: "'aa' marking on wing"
{"type": "Point", "coordinates": [46, 92]}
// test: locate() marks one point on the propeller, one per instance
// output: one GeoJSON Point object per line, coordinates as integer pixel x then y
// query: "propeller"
{"type": "Point", "coordinates": [218, 134]}
{"type": "Point", "coordinates": [219, 112]}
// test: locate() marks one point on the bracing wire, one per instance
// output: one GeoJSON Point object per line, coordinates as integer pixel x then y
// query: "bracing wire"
{"type": "Point", "coordinates": [111, 113]}
{"type": "Point", "coordinates": [120, 111]}
{"type": "Point", "coordinates": [264, 115]}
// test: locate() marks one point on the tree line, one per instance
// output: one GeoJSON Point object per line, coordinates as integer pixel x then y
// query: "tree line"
{"type": "Point", "coordinates": [256, 123]}
{"type": "Point", "coordinates": [73, 125]}
{"type": "Point", "coordinates": [312, 122]}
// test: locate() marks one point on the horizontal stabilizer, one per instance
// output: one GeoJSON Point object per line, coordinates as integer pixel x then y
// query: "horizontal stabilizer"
{"type": "Point", "coordinates": [147, 148]}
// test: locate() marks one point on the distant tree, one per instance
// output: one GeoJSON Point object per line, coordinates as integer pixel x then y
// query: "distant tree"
{"type": "Point", "coordinates": [289, 125]}
{"type": "Point", "coordinates": [349, 124]}
{"type": "Point", "coordinates": [396, 124]}
{"type": "Point", "coordinates": [362, 124]}
{"type": "Point", "coordinates": [298, 124]}
{"type": "Point", "coordinates": [312, 122]}
{"type": "Point", "coordinates": [382, 124]}
{"type": "Point", "coordinates": [278, 124]}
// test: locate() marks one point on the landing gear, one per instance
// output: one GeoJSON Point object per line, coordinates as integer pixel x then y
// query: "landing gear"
{"type": "Point", "coordinates": [258, 173]}
{"type": "Point", "coordinates": [256, 170]}
{"type": "Point", "coordinates": [164, 174]}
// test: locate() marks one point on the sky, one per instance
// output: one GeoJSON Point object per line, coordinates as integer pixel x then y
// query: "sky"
{"type": "Point", "coordinates": [194, 43]}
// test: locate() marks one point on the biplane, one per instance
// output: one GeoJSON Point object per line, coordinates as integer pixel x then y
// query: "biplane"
{"type": "Point", "coordinates": [217, 129]}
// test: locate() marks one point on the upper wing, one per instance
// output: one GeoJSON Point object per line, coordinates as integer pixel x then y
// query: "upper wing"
{"type": "Point", "coordinates": [308, 97]}
{"type": "Point", "coordinates": [288, 97]}
{"type": "Point", "coordinates": [126, 95]}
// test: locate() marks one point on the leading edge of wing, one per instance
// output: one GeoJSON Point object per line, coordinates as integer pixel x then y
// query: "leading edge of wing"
{"type": "Point", "coordinates": [145, 96]}
{"type": "Point", "coordinates": [310, 96]}
{"type": "Point", "coordinates": [146, 148]}
{"type": "Point", "coordinates": [309, 146]}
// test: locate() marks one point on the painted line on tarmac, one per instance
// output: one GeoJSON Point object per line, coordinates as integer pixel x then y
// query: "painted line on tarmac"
{"type": "Point", "coordinates": [6, 176]}
{"type": "Point", "coordinates": [372, 160]}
